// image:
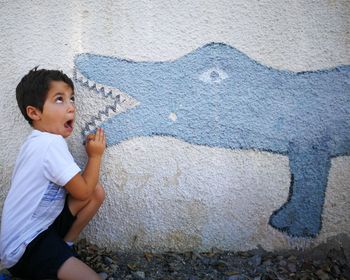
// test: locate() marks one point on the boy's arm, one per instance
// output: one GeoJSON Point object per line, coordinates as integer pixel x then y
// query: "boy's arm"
{"type": "Point", "coordinates": [81, 186]}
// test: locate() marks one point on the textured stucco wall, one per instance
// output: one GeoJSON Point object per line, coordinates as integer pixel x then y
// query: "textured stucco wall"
{"type": "Point", "coordinates": [216, 109]}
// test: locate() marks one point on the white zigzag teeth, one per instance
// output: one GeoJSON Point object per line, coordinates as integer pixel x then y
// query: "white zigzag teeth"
{"type": "Point", "coordinates": [91, 127]}
{"type": "Point", "coordinates": [99, 86]}
{"type": "Point", "coordinates": [78, 76]}
{"type": "Point", "coordinates": [111, 110]}
{"type": "Point", "coordinates": [101, 118]}
{"type": "Point", "coordinates": [93, 88]}
{"type": "Point", "coordinates": [109, 91]}
{"type": "Point", "coordinates": [85, 81]}
{"type": "Point", "coordinates": [92, 85]}
{"type": "Point", "coordinates": [98, 122]}
{"type": "Point", "coordinates": [122, 98]}
{"type": "Point", "coordinates": [118, 108]}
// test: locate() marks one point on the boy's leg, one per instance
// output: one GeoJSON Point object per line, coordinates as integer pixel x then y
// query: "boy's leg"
{"type": "Point", "coordinates": [76, 269]}
{"type": "Point", "coordinates": [84, 210]}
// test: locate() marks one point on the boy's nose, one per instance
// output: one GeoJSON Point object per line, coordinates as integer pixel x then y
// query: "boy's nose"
{"type": "Point", "coordinates": [71, 107]}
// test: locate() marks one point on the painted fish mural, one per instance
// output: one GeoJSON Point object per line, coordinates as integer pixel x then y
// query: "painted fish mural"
{"type": "Point", "coordinates": [219, 97]}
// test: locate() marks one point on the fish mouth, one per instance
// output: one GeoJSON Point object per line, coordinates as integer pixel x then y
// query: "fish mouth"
{"type": "Point", "coordinates": [107, 102]}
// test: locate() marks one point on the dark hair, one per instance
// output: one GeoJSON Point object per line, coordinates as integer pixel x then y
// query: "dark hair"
{"type": "Point", "coordinates": [33, 88]}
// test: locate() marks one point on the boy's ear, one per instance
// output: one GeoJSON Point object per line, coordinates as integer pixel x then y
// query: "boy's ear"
{"type": "Point", "coordinates": [33, 113]}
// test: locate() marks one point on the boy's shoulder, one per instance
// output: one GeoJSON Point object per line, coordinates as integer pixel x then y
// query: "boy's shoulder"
{"type": "Point", "coordinates": [43, 139]}
{"type": "Point", "coordinates": [40, 146]}
{"type": "Point", "coordinates": [37, 134]}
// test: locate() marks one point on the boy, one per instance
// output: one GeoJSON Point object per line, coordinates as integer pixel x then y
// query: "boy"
{"type": "Point", "coordinates": [40, 220]}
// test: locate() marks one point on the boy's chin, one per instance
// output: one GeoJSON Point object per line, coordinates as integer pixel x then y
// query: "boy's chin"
{"type": "Point", "coordinates": [67, 132]}
{"type": "Point", "coordinates": [66, 135]}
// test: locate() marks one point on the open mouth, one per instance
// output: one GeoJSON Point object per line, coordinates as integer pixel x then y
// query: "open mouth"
{"type": "Point", "coordinates": [69, 124]}
{"type": "Point", "coordinates": [107, 100]}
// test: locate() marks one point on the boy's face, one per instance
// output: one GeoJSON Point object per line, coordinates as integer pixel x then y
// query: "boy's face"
{"type": "Point", "coordinates": [58, 113]}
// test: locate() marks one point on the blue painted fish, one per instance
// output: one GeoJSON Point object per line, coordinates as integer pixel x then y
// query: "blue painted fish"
{"type": "Point", "coordinates": [219, 97]}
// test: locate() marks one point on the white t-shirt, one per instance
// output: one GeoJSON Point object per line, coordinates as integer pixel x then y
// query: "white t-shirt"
{"type": "Point", "coordinates": [36, 196]}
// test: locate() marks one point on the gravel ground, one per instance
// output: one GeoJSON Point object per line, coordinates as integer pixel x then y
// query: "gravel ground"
{"type": "Point", "coordinates": [257, 264]}
{"type": "Point", "coordinates": [324, 262]}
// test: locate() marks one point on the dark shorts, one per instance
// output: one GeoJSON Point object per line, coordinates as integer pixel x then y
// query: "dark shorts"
{"type": "Point", "coordinates": [48, 251]}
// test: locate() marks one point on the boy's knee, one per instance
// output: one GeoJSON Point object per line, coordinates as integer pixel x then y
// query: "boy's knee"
{"type": "Point", "coordinates": [99, 194]}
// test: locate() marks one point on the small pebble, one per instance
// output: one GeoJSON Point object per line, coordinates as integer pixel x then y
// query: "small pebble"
{"type": "Point", "coordinates": [139, 274]}
{"type": "Point", "coordinates": [292, 267]}
{"type": "Point", "coordinates": [103, 275]}
{"type": "Point", "coordinates": [322, 275]}
{"type": "Point", "coordinates": [256, 260]}
{"type": "Point", "coordinates": [282, 263]}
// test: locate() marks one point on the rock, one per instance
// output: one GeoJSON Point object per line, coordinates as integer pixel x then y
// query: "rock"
{"type": "Point", "coordinates": [220, 265]}
{"type": "Point", "coordinates": [322, 275]}
{"type": "Point", "coordinates": [139, 274]}
{"type": "Point", "coordinates": [107, 260]}
{"type": "Point", "coordinates": [292, 267]}
{"type": "Point", "coordinates": [282, 263]}
{"type": "Point", "coordinates": [255, 260]}
{"type": "Point", "coordinates": [267, 262]}
{"type": "Point", "coordinates": [335, 270]}
{"type": "Point", "coordinates": [103, 275]}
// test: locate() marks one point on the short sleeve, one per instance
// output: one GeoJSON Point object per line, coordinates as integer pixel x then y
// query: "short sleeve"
{"type": "Point", "coordinates": [59, 165]}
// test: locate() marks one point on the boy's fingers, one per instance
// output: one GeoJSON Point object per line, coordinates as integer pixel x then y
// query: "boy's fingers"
{"type": "Point", "coordinates": [104, 142]}
{"type": "Point", "coordinates": [90, 137]}
{"type": "Point", "coordinates": [103, 136]}
{"type": "Point", "coordinates": [98, 137]}
{"type": "Point", "coordinates": [99, 134]}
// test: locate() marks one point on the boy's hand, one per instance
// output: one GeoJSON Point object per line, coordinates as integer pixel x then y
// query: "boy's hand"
{"type": "Point", "coordinates": [95, 144]}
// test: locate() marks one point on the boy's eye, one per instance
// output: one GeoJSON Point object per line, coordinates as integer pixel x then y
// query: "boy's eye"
{"type": "Point", "coordinates": [59, 99]}
{"type": "Point", "coordinates": [72, 99]}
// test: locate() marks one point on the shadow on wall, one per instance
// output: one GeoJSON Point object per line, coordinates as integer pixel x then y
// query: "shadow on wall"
{"type": "Point", "coordinates": [218, 97]}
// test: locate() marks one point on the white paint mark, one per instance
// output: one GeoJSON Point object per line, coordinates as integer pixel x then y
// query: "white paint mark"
{"type": "Point", "coordinates": [173, 117]}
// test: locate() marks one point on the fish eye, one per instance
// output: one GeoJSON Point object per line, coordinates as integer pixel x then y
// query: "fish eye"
{"type": "Point", "coordinates": [213, 76]}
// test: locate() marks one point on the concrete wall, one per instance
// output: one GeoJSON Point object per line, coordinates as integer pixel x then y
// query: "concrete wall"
{"type": "Point", "coordinates": [227, 121]}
